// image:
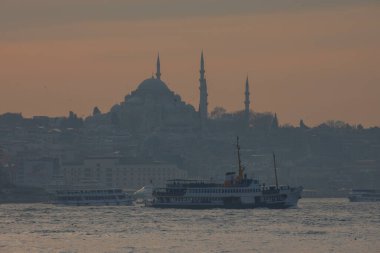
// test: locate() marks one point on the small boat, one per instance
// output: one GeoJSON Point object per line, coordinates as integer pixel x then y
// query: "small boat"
{"type": "Point", "coordinates": [237, 191]}
{"type": "Point", "coordinates": [364, 195]}
{"type": "Point", "coordinates": [86, 197]}
{"type": "Point", "coordinates": [144, 195]}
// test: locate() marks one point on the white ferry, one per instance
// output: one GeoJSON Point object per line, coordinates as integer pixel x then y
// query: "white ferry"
{"type": "Point", "coordinates": [364, 195]}
{"type": "Point", "coordinates": [237, 191]}
{"type": "Point", "coordinates": [82, 197]}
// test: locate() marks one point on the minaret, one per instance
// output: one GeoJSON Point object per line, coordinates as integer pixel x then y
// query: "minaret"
{"type": "Point", "coordinates": [158, 72]}
{"type": "Point", "coordinates": [246, 102]}
{"type": "Point", "coordinates": [203, 112]}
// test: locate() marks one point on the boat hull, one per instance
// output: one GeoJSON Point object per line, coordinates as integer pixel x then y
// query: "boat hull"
{"type": "Point", "coordinates": [100, 203]}
{"type": "Point", "coordinates": [363, 199]}
{"type": "Point", "coordinates": [214, 206]}
{"type": "Point", "coordinates": [364, 195]}
{"type": "Point", "coordinates": [270, 201]}
{"type": "Point", "coordinates": [92, 197]}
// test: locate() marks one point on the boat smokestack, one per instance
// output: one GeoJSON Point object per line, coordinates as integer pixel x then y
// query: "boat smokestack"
{"type": "Point", "coordinates": [241, 169]}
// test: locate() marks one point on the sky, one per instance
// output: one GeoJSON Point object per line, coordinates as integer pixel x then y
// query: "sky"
{"type": "Point", "coordinates": [311, 60]}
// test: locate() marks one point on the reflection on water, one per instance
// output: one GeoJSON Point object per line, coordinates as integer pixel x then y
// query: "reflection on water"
{"type": "Point", "coordinates": [318, 225]}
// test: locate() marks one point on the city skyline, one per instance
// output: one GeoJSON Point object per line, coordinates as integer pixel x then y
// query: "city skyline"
{"type": "Point", "coordinates": [314, 62]}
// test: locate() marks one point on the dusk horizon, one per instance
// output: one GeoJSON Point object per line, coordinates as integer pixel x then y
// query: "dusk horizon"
{"type": "Point", "coordinates": [315, 62]}
{"type": "Point", "coordinates": [190, 126]}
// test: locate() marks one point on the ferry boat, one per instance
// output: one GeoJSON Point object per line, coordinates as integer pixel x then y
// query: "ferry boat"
{"type": "Point", "coordinates": [364, 195]}
{"type": "Point", "coordinates": [237, 191]}
{"type": "Point", "coordinates": [81, 197]}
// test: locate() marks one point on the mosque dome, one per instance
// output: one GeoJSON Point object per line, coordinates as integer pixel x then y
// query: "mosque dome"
{"type": "Point", "coordinates": [152, 105]}
{"type": "Point", "coordinates": [153, 85]}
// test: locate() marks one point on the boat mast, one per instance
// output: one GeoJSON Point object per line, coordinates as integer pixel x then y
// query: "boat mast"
{"type": "Point", "coordinates": [238, 151]}
{"type": "Point", "coordinates": [275, 169]}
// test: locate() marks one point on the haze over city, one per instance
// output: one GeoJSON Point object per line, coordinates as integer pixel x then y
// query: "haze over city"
{"type": "Point", "coordinates": [310, 60]}
{"type": "Point", "coordinates": [190, 126]}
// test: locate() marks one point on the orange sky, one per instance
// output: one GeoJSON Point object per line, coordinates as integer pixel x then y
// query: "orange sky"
{"type": "Point", "coordinates": [314, 63]}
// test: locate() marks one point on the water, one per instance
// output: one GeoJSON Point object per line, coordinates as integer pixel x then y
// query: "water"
{"type": "Point", "coordinates": [318, 225]}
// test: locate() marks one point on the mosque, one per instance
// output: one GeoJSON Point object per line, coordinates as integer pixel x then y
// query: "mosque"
{"type": "Point", "coordinates": [153, 105]}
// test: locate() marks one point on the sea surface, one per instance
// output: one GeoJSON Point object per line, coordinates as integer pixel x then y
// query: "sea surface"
{"type": "Point", "coordinates": [317, 225]}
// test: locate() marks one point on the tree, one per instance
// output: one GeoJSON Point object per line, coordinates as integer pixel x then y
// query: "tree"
{"type": "Point", "coordinates": [302, 125]}
{"type": "Point", "coordinates": [337, 124]}
{"type": "Point", "coordinates": [218, 112]}
{"type": "Point", "coordinates": [96, 111]}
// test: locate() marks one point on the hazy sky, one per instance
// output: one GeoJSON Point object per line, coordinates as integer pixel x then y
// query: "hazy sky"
{"type": "Point", "coordinates": [315, 60]}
